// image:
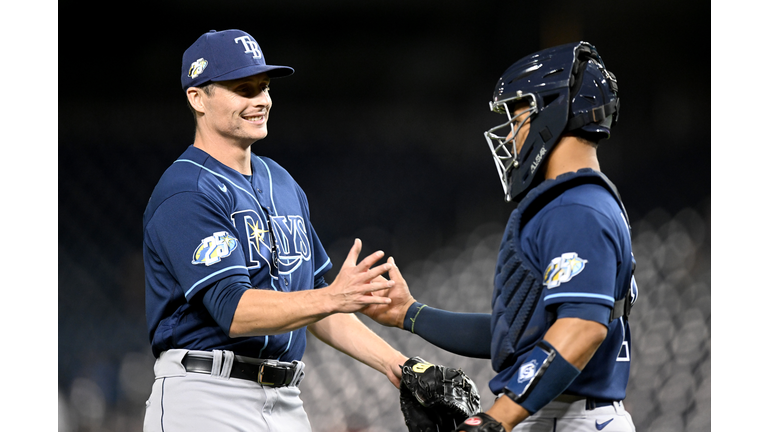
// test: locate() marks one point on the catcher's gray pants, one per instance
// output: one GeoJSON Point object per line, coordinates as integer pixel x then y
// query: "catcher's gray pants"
{"type": "Point", "coordinates": [575, 417]}
{"type": "Point", "coordinates": [182, 401]}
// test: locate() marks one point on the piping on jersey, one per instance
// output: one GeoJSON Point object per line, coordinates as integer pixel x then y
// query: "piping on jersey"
{"type": "Point", "coordinates": [328, 261]}
{"type": "Point", "coordinates": [269, 175]}
{"type": "Point", "coordinates": [266, 342]}
{"type": "Point", "coordinates": [576, 294]}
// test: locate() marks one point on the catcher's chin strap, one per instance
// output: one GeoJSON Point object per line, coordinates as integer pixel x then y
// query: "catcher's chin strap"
{"type": "Point", "coordinates": [544, 375]}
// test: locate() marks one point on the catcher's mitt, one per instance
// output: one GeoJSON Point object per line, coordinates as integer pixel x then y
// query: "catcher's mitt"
{"type": "Point", "coordinates": [436, 398]}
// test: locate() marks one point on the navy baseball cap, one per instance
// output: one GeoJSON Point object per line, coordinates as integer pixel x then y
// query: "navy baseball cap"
{"type": "Point", "coordinates": [225, 55]}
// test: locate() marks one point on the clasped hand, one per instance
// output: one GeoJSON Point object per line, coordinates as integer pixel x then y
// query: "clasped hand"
{"type": "Point", "coordinates": [355, 284]}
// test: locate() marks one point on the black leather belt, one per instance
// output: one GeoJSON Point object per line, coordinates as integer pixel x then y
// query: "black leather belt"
{"type": "Point", "coordinates": [590, 403]}
{"type": "Point", "coordinates": [265, 372]}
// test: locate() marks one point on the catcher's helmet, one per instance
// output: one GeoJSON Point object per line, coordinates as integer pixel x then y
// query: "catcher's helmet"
{"type": "Point", "coordinates": [566, 88]}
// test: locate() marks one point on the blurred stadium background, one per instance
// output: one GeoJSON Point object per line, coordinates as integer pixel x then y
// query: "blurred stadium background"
{"type": "Point", "coordinates": [382, 126]}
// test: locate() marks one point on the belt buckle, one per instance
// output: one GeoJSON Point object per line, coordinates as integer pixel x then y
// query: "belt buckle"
{"type": "Point", "coordinates": [273, 364]}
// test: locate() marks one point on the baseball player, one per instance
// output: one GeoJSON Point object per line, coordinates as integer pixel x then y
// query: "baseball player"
{"type": "Point", "coordinates": [234, 269]}
{"type": "Point", "coordinates": [558, 335]}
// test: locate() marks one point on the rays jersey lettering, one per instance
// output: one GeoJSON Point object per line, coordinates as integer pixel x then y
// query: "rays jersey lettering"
{"type": "Point", "coordinates": [279, 242]}
{"type": "Point", "coordinates": [291, 242]}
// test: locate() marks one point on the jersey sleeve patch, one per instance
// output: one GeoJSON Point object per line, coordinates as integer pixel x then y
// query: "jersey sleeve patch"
{"type": "Point", "coordinates": [562, 269]}
{"type": "Point", "coordinates": [213, 249]}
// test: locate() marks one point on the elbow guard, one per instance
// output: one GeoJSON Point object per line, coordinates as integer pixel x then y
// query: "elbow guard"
{"type": "Point", "coordinates": [544, 375]}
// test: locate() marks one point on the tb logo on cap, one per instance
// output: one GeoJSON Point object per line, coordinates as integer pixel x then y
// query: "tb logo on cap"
{"type": "Point", "coordinates": [251, 47]}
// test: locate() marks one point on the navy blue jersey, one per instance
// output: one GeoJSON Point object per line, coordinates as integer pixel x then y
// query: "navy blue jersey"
{"type": "Point", "coordinates": [579, 245]}
{"type": "Point", "coordinates": [205, 222]}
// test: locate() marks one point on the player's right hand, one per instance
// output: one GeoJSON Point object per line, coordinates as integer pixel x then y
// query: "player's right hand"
{"type": "Point", "coordinates": [353, 286]}
{"type": "Point", "coordinates": [392, 314]}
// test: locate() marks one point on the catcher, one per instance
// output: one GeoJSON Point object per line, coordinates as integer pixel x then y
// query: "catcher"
{"type": "Point", "coordinates": [558, 333]}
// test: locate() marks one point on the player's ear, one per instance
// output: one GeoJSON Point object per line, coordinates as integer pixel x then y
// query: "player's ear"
{"type": "Point", "coordinates": [195, 99]}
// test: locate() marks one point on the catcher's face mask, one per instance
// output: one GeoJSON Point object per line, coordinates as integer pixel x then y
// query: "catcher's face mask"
{"type": "Point", "coordinates": [504, 148]}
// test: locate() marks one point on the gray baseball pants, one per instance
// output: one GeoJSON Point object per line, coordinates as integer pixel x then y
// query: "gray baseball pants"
{"type": "Point", "coordinates": [182, 401]}
{"type": "Point", "coordinates": [575, 417]}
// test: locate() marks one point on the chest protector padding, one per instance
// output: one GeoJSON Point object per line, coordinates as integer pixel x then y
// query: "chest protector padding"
{"type": "Point", "coordinates": [513, 305]}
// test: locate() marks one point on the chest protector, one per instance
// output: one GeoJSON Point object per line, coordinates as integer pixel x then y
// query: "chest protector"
{"type": "Point", "coordinates": [518, 284]}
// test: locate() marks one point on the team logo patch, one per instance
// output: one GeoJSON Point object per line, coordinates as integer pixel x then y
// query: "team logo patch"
{"type": "Point", "coordinates": [197, 67]}
{"type": "Point", "coordinates": [527, 371]}
{"type": "Point", "coordinates": [563, 268]}
{"type": "Point", "coordinates": [212, 249]}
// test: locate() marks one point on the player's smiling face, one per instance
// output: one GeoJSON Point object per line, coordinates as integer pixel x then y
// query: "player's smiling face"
{"type": "Point", "coordinates": [239, 109]}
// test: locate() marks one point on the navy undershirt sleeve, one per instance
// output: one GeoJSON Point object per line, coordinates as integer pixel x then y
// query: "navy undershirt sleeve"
{"type": "Point", "coordinates": [462, 333]}
{"type": "Point", "coordinates": [469, 334]}
{"type": "Point", "coordinates": [221, 299]}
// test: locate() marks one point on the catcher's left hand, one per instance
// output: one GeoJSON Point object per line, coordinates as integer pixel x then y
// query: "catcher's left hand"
{"type": "Point", "coordinates": [435, 398]}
